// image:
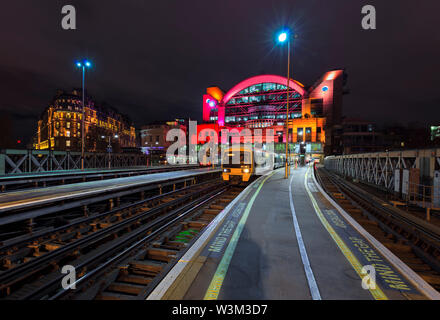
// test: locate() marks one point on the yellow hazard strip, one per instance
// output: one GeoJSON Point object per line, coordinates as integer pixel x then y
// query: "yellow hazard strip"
{"type": "Point", "coordinates": [377, 293]}
{"type": "Point", "coordinates": [219, 276]}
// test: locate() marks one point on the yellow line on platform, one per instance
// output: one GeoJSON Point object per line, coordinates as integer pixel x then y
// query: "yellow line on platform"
{"type": "Point", "coordinates": [217, 280]}
{"type": "Point", "coordinates": [377, 293]}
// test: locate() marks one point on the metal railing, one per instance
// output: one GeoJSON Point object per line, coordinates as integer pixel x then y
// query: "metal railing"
{"type": "Point", "coordinates": [422, 195]}
{"type": "Point", "coordinates": [13, 161]}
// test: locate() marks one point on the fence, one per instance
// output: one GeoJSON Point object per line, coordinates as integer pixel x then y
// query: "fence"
{"type": "Point", "coordinates": [27, 161]}
{"type": "Point", "coordinates": [413, 175]}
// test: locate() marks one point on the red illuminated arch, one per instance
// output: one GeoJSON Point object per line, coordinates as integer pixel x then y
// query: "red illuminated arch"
{"type": "Point", "coordinates": [267, 78]}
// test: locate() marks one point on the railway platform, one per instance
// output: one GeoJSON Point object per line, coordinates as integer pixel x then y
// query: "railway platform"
{"type": "Point", "coordinates": [287, 239]}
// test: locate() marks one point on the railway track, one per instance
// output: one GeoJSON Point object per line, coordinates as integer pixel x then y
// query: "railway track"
{"type": "Point", "coordinates": [29, 211]}
{"type": "Point", "coordinates": [413, 240]}
{"type": "Point", "coordinates": [31, 266]}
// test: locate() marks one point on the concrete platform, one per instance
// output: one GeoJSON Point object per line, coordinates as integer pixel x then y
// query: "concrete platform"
{"type": "Point", "coordinates": [283, 239]}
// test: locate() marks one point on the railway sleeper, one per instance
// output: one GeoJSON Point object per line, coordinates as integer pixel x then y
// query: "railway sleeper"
{"type": "Point", "coordinates": [433, 278]}
{"type": "Point", "coordinates": [207, 217]}
{"type": "Point", "coordinates": [161, 254]}
{"type": "Point", "coordinates": [419, 267]}
{"type": "Point", "coordinates": [174, 245]}
{"type": "Point", "coordinates": [212, 211]}
{"type": "Point", "coordinates": [216, 206]}
{"type": "Point", "coordinates": [399, 248]}
{"type": "Point", "coordinates": [129, 289]}
{"type": "Point", "coordinates": [134, 279]}
{"type": "Point", "coordinates": [11, 258]}
{"type": "Point", "coordinates": [197, 224]}
{"type": "Point", "coordinates": [146, 267]}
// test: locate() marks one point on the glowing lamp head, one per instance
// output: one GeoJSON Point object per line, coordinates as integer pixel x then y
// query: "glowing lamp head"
{"type": "Point", "coordinates": [211, 104]}
{"type": "Point", "coordinates": [84, 63]}
{"type": "Point", "coordinates": [282, 37]}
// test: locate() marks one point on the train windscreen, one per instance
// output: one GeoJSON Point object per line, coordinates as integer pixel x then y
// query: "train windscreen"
{"type": "Point", "coordinates": [235, 159]}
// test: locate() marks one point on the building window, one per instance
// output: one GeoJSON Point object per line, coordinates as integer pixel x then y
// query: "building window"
{"type": "Point", "coordinates": [67, 133]}
{"type": "Point", "coordinates": [308, 137]}
{"type": "Point", "coordinates": [318, 134]}
{"type": "Point", "coordinates": [67, 143]}
{"type": "Point", "coordinates": [299, 134]}
{"type": "Point", "coordinates": [67, 124]}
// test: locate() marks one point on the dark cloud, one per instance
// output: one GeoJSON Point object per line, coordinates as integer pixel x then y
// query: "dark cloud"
{"type": "Point", "coordinates": [153, 60]}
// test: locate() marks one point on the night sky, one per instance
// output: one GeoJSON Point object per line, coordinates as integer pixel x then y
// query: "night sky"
{"type": "Point", "coordinates": [153, 60]}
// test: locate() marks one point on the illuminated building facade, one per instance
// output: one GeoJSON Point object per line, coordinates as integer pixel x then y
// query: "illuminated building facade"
{"type": "Point", "coordinates": [153, 136]}
{"type": "Point", "coordinates": [59, 127]}
{"type": "Point", "coordinates": [260, 102]}
{"type": "Point", "coordinates": [154, 142]}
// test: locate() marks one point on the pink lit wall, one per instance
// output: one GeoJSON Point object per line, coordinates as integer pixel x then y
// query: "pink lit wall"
{"type": "Point", "coordinates": [206, 107]}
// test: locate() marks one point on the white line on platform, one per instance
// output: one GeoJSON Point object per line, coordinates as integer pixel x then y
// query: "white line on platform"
{"type": "Point", "coordinates": [314, 291]}
{"type": "Point", "coordinates": [194, 251]}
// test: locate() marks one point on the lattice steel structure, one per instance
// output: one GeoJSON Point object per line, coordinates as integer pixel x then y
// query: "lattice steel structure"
{"type": "Point", "coordinates": [379, 168]}
{"type": "Point", "coordinates": [26, 161]}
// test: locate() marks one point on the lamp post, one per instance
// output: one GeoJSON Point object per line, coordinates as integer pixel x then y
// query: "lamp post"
{"type": "Point", "coordinates": [109, 148]}
{"type": "Point", "coordinates": [83, 65]}
{"type": "Point", "coordinates": [282, 37]}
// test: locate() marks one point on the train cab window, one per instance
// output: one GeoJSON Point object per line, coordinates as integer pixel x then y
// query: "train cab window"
{"type": "Point", "coordinates": [235, 159]}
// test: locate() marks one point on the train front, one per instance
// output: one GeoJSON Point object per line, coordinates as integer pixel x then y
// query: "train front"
{"type": "Point", "coordinates": [237, 165]}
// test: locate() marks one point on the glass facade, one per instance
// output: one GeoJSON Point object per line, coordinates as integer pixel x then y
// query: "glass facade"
{"type": "Point", "coordinates": [262, 105]}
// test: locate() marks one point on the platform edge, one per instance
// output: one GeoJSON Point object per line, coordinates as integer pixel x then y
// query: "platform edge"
{"type": "Point", "coordinates": [186, 269]}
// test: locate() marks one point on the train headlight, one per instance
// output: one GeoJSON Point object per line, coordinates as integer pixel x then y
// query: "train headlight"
{"type": "Point", "coordinates": [225, 170]}
{"type": "Point", "coordinates": [246, 170]}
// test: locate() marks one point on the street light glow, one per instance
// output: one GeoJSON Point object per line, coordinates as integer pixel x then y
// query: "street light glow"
{"type": "Point", "coordinates": [85, 63]}
{"type": "Point", "coordinates": [282, 37]}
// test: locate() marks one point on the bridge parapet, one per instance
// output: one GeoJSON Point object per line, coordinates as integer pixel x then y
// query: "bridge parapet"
{"type": "Point", "coordinates": [13, 161]}
{"type": "Point", "coordinates": [412, 174]}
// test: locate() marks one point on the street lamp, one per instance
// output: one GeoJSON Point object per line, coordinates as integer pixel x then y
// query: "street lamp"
{"type": "Point", "coordinates": [83, 65]}
{"type": "Point", "coordinates": [282, 37]}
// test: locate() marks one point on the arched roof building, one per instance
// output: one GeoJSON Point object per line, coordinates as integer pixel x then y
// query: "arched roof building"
{"type": "Point", "coordinates": [261, 102]}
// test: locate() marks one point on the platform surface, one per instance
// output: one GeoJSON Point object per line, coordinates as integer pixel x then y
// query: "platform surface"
{"type": "Point", "coordinates": [256, 253]}
{"type": "Point", "coordinates": [28, 197]}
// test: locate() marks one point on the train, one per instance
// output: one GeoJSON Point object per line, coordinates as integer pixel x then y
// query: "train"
{"type": "Point", "coordinates": [240, 164]}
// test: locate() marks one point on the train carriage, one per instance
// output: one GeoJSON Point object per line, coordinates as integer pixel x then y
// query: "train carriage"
{"type": "Point", "coordinates": [239, 164]}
